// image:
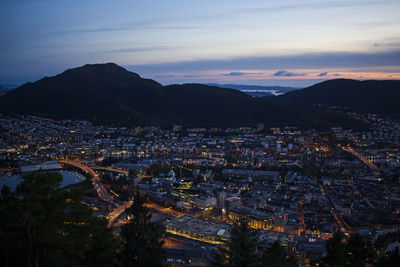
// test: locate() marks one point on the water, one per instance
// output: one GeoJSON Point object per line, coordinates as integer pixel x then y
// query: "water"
{"type": "Point", "coordinates": [68, 178]}
{"type": "Point", "coordinates": [262, 92]}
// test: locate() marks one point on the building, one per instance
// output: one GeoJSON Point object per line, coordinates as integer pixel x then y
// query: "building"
{"type": "Point", "coordinates": [232, 173]}
{"type": "Point", "coordinates": [200, 230]}
{"type": "Point", "coordinates": [44, 166]}
{"type": "Point", "coordinates": [257, 219]}
{"type": "Point", "coordinates": [205, 202]}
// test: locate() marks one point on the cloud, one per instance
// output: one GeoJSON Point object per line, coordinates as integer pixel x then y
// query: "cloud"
{"type": "Point", "coordinates": [301, 5]}
{"type": "Point", "coordinates": [166, 76]}
{"type": "Point", "coordinates": [322, 74]}
{"type": "Point", "coordinates": [301, 61]}
{"type": "Point", "coordinates": [143, 49]}
{"type": "Point", "coordinates": [391, 44]}
{"type": "Point", "coordinates": [238, 73]}
{"type": "Point", "coordinates": [288, 74]}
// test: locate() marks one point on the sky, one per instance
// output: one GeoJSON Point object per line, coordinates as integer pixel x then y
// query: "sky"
{"type": "Point", "coordinates": [259, 42]}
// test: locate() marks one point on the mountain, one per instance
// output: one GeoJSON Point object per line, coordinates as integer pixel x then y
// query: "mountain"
{"type": "Point", "coordinates": [3, 90]}
{"type": "Point", "coordinates": [257, 90]}
{"type": "Point", "coordinates": [100, 92]}
{"type": "Point", "coordinates": [371, 96]}
{"type": "Point", "coordinates": [109, 94]}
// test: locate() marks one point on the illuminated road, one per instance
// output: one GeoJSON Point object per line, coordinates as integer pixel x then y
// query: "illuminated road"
{"type": "Point", "coordinates": [302, 226]}
{"type": "Point", "coordinates": [362, 158]}
{"type": "Point", "coordinates": [98, 186]}
{"type": "Point", "coordinates": [101, 191]}
{"type": "Point", "coordinates": [168, 211]}
{"type": "Point", "coordinates": [344, 227]}
{"type": "Point", "coordinates": [109, 169]}
{"type": "Point", "coordinates": [119, 171]}
{"type": "Point", "coordinates": [115, 213]}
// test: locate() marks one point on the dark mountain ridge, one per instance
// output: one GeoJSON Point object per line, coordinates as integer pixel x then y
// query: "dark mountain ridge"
{"type": "Point", "coordinates": [109, 94]}
{"type": "Point", "coordinates": [369, 96]}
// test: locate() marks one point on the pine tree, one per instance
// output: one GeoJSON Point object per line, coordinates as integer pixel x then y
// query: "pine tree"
{"type": "Point", "coordinates": [359, 252]}
{"type": "Point", "coordinates": [336, 250]}
{"type": "Point", "coordinates": [45, 225]}
{"type": "Point", "coordinates": [276, 256]}
{"type": "Point", "coordinates": [241, 249]}
{"type": "Point", "coordinates": [391, 258]}
{"type": "Point", "coordinates": [142, 239]}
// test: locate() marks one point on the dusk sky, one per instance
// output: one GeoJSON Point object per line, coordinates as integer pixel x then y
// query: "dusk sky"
{"type": "Point", "coordinates": [296, 43]}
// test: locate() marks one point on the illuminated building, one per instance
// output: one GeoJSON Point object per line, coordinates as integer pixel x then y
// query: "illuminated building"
{"type": "Point", "coordinates": [205, 201]}
{"type": "Point", "coordinates": [200, 230]}
{"type": "Point", "coordinates": [257, 219]}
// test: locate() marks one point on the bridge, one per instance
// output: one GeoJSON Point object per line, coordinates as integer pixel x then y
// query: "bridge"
{"type": "Point", "coordinates": [109, 169]}
{"type": "Point", "coordinates": [101, 191]}
{"type": "Point", "coordinates": [362, 158]}
{"type": "Point", "coordinates": [98, 186]}
{"type": "Point", "coordinates": [142, 176]}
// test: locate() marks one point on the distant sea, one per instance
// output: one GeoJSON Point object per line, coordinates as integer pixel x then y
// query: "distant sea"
{"type": "Point", "coordinates": [263, 92]}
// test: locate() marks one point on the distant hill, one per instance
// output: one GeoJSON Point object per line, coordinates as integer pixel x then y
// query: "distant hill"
{"type": "Point", "coordinates": [257, 90]}
{"type": "Point", "coordinates": [371, 96]}
{"type": "Point", "coordinates": [5, 88]}
{"type": "Point", "coordinates": [109, 94]}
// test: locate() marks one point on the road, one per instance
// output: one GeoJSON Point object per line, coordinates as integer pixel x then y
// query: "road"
{"type": "Point", "coordinates": [98, 186]}
{"type": "Point", "coordinates": [109, 169]}
{"type": "Point", "coordinates": [344, 227]}
{"type": "Point", "coordinates": [115, 213]}
{"type": "Point", "coordinates": [101, 191]}
{"type": "Point", "coordinates": [361, 157]}
{"type": "Point", "coordinates": [302, 226]}
{"type": "Point", "coordinates": [168, 211]}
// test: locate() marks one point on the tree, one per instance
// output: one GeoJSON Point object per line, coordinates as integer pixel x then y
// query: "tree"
{"type": "Point", "coordinates": [359, 252]}
{"type": "Point", "coordinates": [276, 256]}
{"type": "Point", "coordinates": [241, 249]}
{"type": "Point", "coordinates": [45, 225]}
{"type": "Point", "coordinates": [142, 239]}
{"type": "Point", "coordinates": [392, 258]}
{"type": "Point", "coordinates": [356, 252]}
{"type": "Point", "coordinates": [336, 249]}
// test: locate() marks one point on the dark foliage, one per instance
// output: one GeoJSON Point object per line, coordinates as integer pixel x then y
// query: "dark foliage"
{"type": "Point", "coordinates": [276, 256]}
{"type": "Point", "coordinates": [241, 250]}
{"type": "Point", "coordinates": [45, 225]}
{"type": "Point", "coordinates": [142, 239]}
{"type": "Point", "coordinates": [336, 249]}
{"type": "Point", "coordinates": [355, 252]}
{"type": "Point", "coordinates": [359, 252]}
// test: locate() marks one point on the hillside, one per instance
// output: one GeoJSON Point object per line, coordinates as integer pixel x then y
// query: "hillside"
{"type": "Point", "coordinates": [370, 96]}
{"type": "Point", "coordinates": [109, 94]}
